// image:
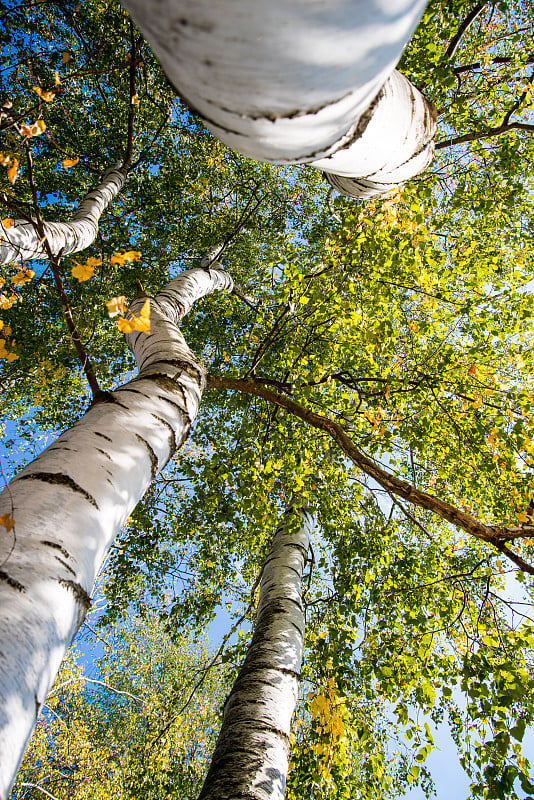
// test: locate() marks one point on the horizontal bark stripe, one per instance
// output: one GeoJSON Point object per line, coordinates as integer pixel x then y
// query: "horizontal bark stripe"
{"type": "Point", "coordinates": [103, 436]}
{"type": "Point", "coordinates": [64, 564]}
{"type": "Point", "coordinates": [11, 581]}
{"type": "Point", "coordinates": [79, 592]}
{"type": "Point", "coordinates": [56, 546]}
{"type": "Point", "coordinates": [59, 479]}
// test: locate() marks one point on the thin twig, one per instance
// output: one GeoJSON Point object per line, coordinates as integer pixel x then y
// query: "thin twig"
{"type": "Point", "coordinates": [213, 661]}
{"type": "Point", "coordinates": [99, 683]}
{"type": "Point", "coordinates": [131, 102]}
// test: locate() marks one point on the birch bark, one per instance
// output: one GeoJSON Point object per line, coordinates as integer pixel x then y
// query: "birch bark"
{"type": "Point", "coordinates": [70, 502]}
{"type": "Point", "coordinates": [22, 241]}
{"type": "Point", "coordinates": [297, 81]}
{"type": "Point", "coordinates": [252, 752]}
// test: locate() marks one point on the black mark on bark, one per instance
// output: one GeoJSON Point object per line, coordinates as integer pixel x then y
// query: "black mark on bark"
{"type": "Point", "coordinates": [11, 581]}
{"type": "Point", "coordinates": [57, 547]}
{"type": "Point", "coordinates": [98, 450]}
{"type": "Point", "coordinates": [78, 591]}
{"type": "Point", "coordinates": [59, 479]}
{"type": "Point", "coordinates": [154, 463]}
{"type": "Point", "coordinates": [64, 564]}
{"type": "Point", "coordinates": [172, 434]}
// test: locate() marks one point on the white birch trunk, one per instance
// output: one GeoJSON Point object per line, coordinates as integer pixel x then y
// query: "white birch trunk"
{"type": "Point", "coordinates": [252, 752]}
{"type": "Point", "coordinates": [22, 241]}
{"type": "Point", "coordinates": [394, 143]}
{"type": "Point", "coordinates": [71, 501]}
{"type": "Point", "coordinates": [297, 81]}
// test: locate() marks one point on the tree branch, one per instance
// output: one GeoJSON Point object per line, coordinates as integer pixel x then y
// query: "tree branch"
{"type": "Point", "coordinates": [39, 789]}
{"type": "Point", "coordinates": [494, 62]}
{"type": "Point", "coordinates": [487, 134]}
{"type": "Point", "coordinates": [54, 265]}
{"type": "Point", "coordinates": [493, 535]}
{"type": "Point", "coordinates": [455, 41]}
{"type": "Point", "coordinates": [99, 683]}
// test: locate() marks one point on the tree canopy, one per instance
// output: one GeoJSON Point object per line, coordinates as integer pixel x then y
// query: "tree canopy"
{"type": "Point", "coordinates": [381, 364]}
{"type": "Point", "coordinates": [144, 725]}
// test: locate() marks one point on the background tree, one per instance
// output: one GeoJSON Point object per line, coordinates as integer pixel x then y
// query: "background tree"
{"type": "Point", "coordinates": [145, 723]}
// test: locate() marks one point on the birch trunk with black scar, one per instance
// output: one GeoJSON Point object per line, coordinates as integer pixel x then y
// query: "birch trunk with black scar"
{"type": "Point", "coordinates": [300, 82]}
{"type": "Point", "coordinates": [70, 502]}
{"type": "Point", "coordinates": [23, 242]}
{"type": "Point", "coordinates": [252, 752]}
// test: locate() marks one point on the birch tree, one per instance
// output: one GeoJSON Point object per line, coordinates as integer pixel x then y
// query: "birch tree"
{"type": "Point", "coordinates": [297, 83]}
{"type": "Point", "coordinates": [252, 751]}
{"type": "Point", "coordinates": [101, 468]}
{"type": "Point", "coordinates": [24, 240]}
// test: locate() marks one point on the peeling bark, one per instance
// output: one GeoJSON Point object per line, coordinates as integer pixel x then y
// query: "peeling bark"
{"type": "Point", "coordinates": [74, 498]}
{"type": "Point", "coordinates": [252, 751]}
{"type": "Point", "coordinates": [23, 242]}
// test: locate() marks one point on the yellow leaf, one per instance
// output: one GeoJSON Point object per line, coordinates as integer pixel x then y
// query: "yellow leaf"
{"type": "Point", "coordinates": [126, 257]}
{"type": "Point", "coordinates": [13, 170]}
{"type": "Point", "coordinates": [4, 353]}
{"type": "Point", "coordinates": [491, 438]}
{"type": "Point", "coordinates": [93, 262]}
{"type": "Point", "coordinates": [131, 255]}
{"type": "Point", "coordinates": [65, 57]}
{"type": "Point", "coordinates": [142, 322]}
{"type": "Point", "coordinates": [477, 402]}
{"type": "Point", "coordinates": [145, 311]}
{"type": "Point", "coordinates": [70, 162]}
{"type": "Point", "coordinates": [337, 727]}
{"type": "Point", "coordinates": [135, 100]}
{"type": "Point", "coordinates": [48, 96]}
{"type": "Point", "coordinates": [7, 521]}
{"type": "Point", "coordinates": [7, 223]}
{"type": "Point", "coordinates": [320, 707]}
{"type": "Point", "coordinates": [56, 78]}
{"type": "Point", "coordinates": [125, 325]}
{"type": "Point", "coordinates": [36, 129]}
{"type": "Point", "coordinates": [116, 306]}
{"type": "Point", "coordinates": [83, 272]}
{"type": "Point", "coordinates": [7, 302]}
{"type": "Point", "coordinates": [522, 516]}
{"type": "Point", "coordinates": [22, 277]}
